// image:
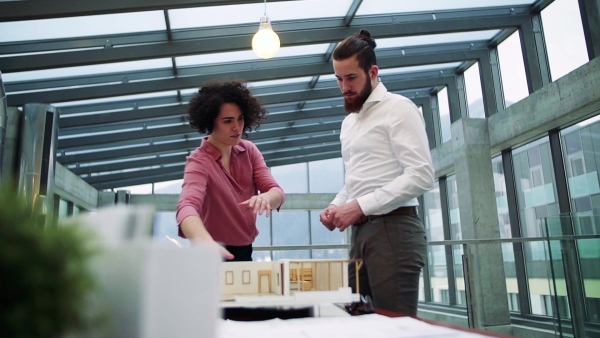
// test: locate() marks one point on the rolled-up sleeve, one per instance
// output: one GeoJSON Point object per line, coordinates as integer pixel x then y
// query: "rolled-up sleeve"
{"type": "Point", "coordinates": [193, 191]}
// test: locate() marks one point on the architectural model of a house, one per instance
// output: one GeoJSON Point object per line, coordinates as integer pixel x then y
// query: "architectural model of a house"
{"type": "Point", "coordinates": [287, 280]}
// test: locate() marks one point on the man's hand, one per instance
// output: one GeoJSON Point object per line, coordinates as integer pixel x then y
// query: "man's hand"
{"type": "Point", "coordinates": [326, 218]}
{"type": "Point", "coordinates": [346, 214]}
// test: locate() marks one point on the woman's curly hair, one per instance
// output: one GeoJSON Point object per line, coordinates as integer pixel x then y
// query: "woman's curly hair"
{"type": "Point", "coordinates": [205, 106]}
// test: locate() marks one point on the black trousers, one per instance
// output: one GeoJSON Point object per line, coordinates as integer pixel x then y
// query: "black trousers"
{"type": "Point", "coordinates": [393, 250]}
{"type": "Point", "coordinates": [240, 253]}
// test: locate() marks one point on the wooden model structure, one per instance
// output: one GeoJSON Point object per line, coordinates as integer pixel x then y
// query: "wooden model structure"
{"type": "Point", "coordinates": [283, 277]}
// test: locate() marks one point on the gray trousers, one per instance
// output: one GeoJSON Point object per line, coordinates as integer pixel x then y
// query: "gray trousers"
{"type": "Point", "coordinates": [393, 250]}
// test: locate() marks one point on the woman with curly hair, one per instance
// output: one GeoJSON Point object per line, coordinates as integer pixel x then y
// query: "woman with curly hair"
{"type": "Point", "coordinates": [226, 181]}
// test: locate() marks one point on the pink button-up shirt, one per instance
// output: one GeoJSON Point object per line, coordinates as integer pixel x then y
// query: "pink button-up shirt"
{"type": "Point", "coordinates": [213, 194]}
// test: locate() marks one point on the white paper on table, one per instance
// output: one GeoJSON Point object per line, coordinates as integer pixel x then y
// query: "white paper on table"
{"type": "Point", "coordinates": [372, 325]}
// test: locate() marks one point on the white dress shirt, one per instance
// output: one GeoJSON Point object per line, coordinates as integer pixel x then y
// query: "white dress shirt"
{"type": "Point", "coordinates": [386, 154]}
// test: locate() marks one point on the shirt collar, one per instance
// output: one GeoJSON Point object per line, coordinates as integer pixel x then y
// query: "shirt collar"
{"type": "Point", "coordinates": [375, 97]}
{"type": "Point", "coordinates": [215, 153]}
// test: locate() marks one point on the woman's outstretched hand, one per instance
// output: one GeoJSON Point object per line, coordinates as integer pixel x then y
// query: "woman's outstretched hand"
{"type": "Point", "coordinates": [258, 204]}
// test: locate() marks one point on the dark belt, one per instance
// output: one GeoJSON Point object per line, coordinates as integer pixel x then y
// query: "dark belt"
{"type": "Point", "coordinates": [402, 211]}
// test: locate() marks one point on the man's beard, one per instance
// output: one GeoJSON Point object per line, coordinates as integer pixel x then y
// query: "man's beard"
{"type": "Point", "coordinates": [354, 105]}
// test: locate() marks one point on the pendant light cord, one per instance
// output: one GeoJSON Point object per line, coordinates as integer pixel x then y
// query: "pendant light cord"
{"type": "Point", "coordinates": [265, 7]}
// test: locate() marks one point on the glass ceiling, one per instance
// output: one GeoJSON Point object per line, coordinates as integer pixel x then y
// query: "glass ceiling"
{"type": "Point", "coordinates": [370, 7]}
{"type": "Point", "coordinates": [134, 69]}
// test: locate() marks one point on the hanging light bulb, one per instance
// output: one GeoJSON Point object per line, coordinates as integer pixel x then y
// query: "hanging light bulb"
{"type": "Point", "coordinates": [265, 42]}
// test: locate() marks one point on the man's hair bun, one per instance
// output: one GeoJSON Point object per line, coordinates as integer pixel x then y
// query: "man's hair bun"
{"type": "Point", "coordinates": [366, 36]}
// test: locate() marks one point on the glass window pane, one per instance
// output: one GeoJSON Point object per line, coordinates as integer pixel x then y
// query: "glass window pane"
{"type": "Point", "coordinates": [581, 154]}
{"type": "Point", "coordinates": [264, 231]}
{"type": "Point", "coordinates": [589, 258]}
{"type": "Point", "coordinates": [436, 255]}
{"type": "Point", "coordinates": [330, 254]}
{"type": "Point", "coordinates": [63, 209]}
{"type": "Point", "coordinates": [326, 176]}
{"type": "Point", "coordinates": [438, 274]}
{"type": "Point", "coordinates": [421, 288]}
{"type": "Point", "coordinates": [474, 93]}
{"type": "Point", "coordinates": [433, 213]}
{"type": "Point", "coordinates": [292, 178]}
{"type": "Point", "coordinates": [416, 69]}
{"type": "Point", "coordinates": [510, 272]}
{"type": "Point", "coordinates": [535, 186]}
{"type": "Point", "coordinates": [261, 256]}
{"type": "Point", "coordinates": [193, 60]}
{"type": "Point", "coordinates": [461, 295]}
{"type": "Point", "coordinates": [168, 187]}
{"type": "Point", "coordinates": [444, 108]}
{"type": "Point", "coordinates": [512, 67]}
{"type": "Point", "coordinates": [290, 254]}
{"type": "Point", "coordinates": [85, 26]}
{"type": "Point", "coordinates": [369, 7]}
{"type": "Point", "coordinates": [563, 32]}
{"type": "Point", "coordinates": [103, 69]}
{"type": "Point", "coordinates": [290, 228]}
{"type": "Point", "coordinates": [456, 234]}
{"type": "Point", "coordinates": [115, 99]}
{"type": "Point", "coordinates": [508, 255]}
{"type": "Point", "coordinates": [406, 41]}
{"type": "Point", "coordinates": [536, 198]}
{"type": "Point", "coordinates": [501, 199]}
{"type": "Point", "coordinates": [453, 207]}
{"type": "Point", "coordinates": [237, 14]}
{"type": "Point", "coordinates": [142, 189]}
{"type": "Point", "coordinates": [293, 80]}
{"type": "Point", "coordinates": [164, 230]}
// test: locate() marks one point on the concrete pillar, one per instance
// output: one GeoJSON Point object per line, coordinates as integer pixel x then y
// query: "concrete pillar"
{"type": "Point", "coordinates": [75, 190]}
{"type": "Point", "coordinates": [484, 277]}
{"type": "Point", "coordinates": [10, 145]}
{"type": "Point", "coordinates": [3, 123]}
{"type": "Point", "coordinates": [122, 197]}
{"type": "Point", "coordinates": [37, 157]}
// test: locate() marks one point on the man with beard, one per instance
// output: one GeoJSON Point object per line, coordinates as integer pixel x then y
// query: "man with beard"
{"type": "Point", "coordinates": [388, 165]}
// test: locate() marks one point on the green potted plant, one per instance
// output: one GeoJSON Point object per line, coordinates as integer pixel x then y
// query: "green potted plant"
{"type": "Point", "coordinates": [45, 280]}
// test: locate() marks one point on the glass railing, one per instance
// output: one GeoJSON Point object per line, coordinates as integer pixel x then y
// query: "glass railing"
{"type": "Point", "coordinates": [552, 281]}
{"type": "Point", "coordinates": [573, 247]}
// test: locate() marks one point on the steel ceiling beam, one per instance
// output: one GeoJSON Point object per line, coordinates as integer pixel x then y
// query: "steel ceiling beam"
{"type": "Point", "coordinates": [122, 116]}
{"type": "Point", "coordinates": [391, 59]}
{"type": "Point", "coordinates": [177, 159]}
{"type": "Point", "coordinates": [292, 33]}
{"type": "Point", "coordinates": [176, 172]}
{"type": "Point", "coordinates": [410, 55]}
{"type": "Point", "coordinates": [27, 10]}
{"type": "Point", "coordinates": [152, 176]}
{"type": "Point", "coordinates": [132, 164]}
{"type": "Point", "coordinates": [144, 135]}
{"type": "Point", "coordinates": [189, 145]}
